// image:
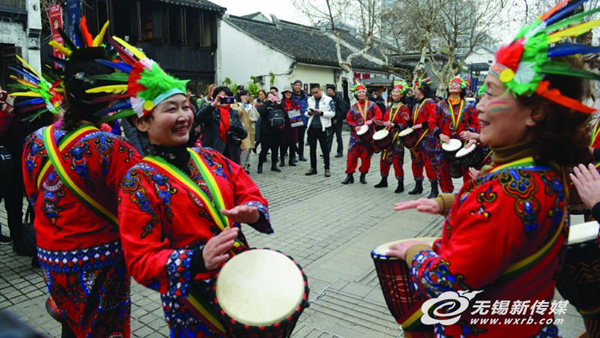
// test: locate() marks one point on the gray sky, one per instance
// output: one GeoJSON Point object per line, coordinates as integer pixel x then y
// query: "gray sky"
{"type": "Point", "coordinates": [283, 9]}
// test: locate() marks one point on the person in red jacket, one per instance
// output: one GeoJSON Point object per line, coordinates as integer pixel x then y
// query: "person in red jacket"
{"type": "Point", "coordinates": [72, 172]}
{"type": "Point", "coordinates": [423, 152]}
{"type": "Point", "coordinates": [451, 118]}
{"type": "Point", "coordinates": [180, 208]}
{"type": "Point", "coordinates": [503, 240]}
{"type": "Point", "coordinates": [363, 112]}
{"type": "Point", "coordinates": [395, 120]}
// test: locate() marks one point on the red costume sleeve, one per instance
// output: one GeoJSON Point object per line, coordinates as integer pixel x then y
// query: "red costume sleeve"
{"type": "Point", "coordinates": [473, 120]}
{"type": "Point", "coordinates": [376, 113]}
{"type": "Point", "coordinates": [350, 119]}
{"type": "Point", "coordinates": [433, 121]}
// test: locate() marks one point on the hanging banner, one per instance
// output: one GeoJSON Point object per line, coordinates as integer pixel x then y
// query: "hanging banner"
{"type": "Point", "coordinates": [56, 22]}
{"type": "Point", "coordinates": [73, 9]}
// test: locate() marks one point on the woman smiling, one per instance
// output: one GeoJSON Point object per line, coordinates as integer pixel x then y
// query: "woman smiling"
{"type": "Point", "coordinates": [180, 208]}
{"type": "Point", "coordinates": [504, 234]}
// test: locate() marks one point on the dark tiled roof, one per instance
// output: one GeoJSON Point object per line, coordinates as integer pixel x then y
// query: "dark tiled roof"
{"type": "Point", "coordinates": [305, 44]}
{"type": "Point", "coordinates": [202, 4]}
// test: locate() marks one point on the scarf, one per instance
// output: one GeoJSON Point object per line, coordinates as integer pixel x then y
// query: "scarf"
{"type": "Point", "coordinates": [224, 123]}
{"type": "Point", "coordinates": [177, 155]}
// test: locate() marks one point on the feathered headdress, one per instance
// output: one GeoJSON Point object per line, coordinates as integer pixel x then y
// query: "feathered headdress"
{"type": "Point", "coordinates": [421, 82]}
{"type": "Point", "coordinates": [521, 65]}
{"type": "Point", "coordinates": [402, 86]}
{"type": "Point", "coordinates": [357, 86]}
{"type": "Point", "coordinates": [457, 79]}
{"type": "Point", "coordinates": [139, 81]}
{"type": "Point", "coordinates": [46, 91]}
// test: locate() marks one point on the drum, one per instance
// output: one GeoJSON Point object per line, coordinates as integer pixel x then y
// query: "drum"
{"type": "Point", "coordinates": [394, 278]}
{"type": "Point", "coordinates": [451, 148]}
{"type": "Point", "coordinates": [365, 133]}
{"type": "Point", "coordinates": [471, 157]}
{"type": "Point", "coordinates": [579, 279]}
{"type": "Point", "coordinates": [383, 139]}
{"type": "Point", "coordinates": [408, 137]}
{"type": "Point", "coordinates": [260, 293]}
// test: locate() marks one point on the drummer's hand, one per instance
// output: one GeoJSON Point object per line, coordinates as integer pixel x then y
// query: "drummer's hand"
{"type": "Point", "coordinates": [587, 182]}
{"type": "Point", "coordinates": [424, 205]}
{"type": "Point", "coordinates": [417, 126]}
{"type": "Point", "coordinates": [444, 138]}
{"type": "Point", "coordinates": [388, 124]}
{"type": "Point", "coordinates": [215, 250]}
{"type": "Point", "coordinates": [242, 214]}
{"type": "Point", "coordinates": [369, 122]}
{"type": "Point", "coordinates": [473, 173]}
{"type": "Point", "coordinates": [470, 143]}
{"type": "Point", "coordinates": [399, 249]}
{"type": "Point", "coordinates": [405, 116]}
{"type": "Point", "coordinates": [357, 128]}
{"type": "Point", "coordinates": [468, 135]}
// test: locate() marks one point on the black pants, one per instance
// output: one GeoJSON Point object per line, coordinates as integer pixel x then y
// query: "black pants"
{"type": "Point", "coordinates": [13, 200]}
{"type": "Point", "coordinates": [266, 146]}
{"type": "Point", "coordinates": [284, 147]}
{"type": "Point", "coordinates": [315, 134]}
{"type": "Point", "coordinates": [336, 130]}
{"type": "Point", "coordinates": [301, 132]}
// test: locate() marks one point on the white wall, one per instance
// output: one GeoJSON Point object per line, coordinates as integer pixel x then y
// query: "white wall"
{"type": "Point", "coordinates": [240, 56]}
{"type": "Point", "coordinates": [312, 74]}
{"type": "Point", "coordinates": [27, 38]}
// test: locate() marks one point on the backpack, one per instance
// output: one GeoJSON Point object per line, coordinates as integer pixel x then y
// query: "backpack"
{"type": "Point", "coordinates": [276, 118]}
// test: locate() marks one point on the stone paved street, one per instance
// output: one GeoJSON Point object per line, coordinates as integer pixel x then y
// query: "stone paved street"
{"type": "Point", "coordinates": [327, 227]}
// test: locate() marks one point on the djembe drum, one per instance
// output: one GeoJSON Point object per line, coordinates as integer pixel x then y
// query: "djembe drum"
{"type": "Point", "coordinates": [470, 157]}
{"type": "Point", "coordinates": [383, 139]}
{"type": "Point", "coordinates": [260, 293]}
{"type": "Point", "coordinates": [365, 133]}
{"type": "Point", "coordinates": [394, 278]}
{"type": "Point", "coordinates": [579, 279]}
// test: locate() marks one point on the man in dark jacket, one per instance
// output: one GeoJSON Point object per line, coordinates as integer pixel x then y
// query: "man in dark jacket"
{"type": "Point", "coordinates": [219, 131]}
{"type": "Point", "coordinates": [341, 109]}
{"type": "Point", "coordinates": [300, 96]}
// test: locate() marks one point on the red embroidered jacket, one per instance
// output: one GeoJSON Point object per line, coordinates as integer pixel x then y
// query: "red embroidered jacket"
{"type": "Point", "coordinates": [496, 221]}
{"type": "Point", "coordinates": [99, 160]}
{"type": "Point", "coordinates": [441, 122]}
{"type": "Point", "coordinates": [355, 119]}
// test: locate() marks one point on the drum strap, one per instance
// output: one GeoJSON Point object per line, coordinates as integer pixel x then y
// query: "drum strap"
{"type": "Point", "coordinates": [213, 205]}
{"type": "Point", "coordinates": [595, 132]}
{"type": "Point", "coordinates": [420, 139]}
{"type": "Point", "coordinates": [363, 112]}
{"type": "Point", "coordinates": [456, 119]}
{"type": "Point", "coordinates": [67, 177]}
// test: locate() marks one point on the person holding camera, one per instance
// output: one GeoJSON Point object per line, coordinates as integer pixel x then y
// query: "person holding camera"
{"type": "Point", "coordinates": [6, 160]}
{"type": "Point", "coordinates": [272, 118]}
{"type": "Point", "coordinates": [221, 125]}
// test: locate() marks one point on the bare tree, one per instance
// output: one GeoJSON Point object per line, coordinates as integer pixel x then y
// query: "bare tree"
{"type": "Point", "coordinates": [462, 25]}
{"type": "Point", "coordinates": [410, 24]}
{"type": "Point", "coordinates": [362, 14]}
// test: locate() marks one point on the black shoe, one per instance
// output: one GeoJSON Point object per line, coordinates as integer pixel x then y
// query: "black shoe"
{"type": "Point", "coordinates": [275, 169]}
{"type": "Point", "coordinates": [400, 187]}
{"type": "Point", "coordinates": [363, 178]}
{"type": "Point", "coordinates": [292, 163]}
{"type": "Point", "coordinates": [418, 188]}
{"type": "Point", "coordinates": [327, 173]}
{"type": "Point", "coordinates": [349, 179]}
{"type": "Point", "coordinates": [434, 190]}
{"type": "Point", "coordinates": [311, 171]}
{"type": "Point", "coordinates": [302, 158]}
{"type": "Point", "coordinates": [282, 163]}
{"type": "Point", "coordinates": [5, 240]}
{"type": "Point", "coordinates": [259, 168]}
{"type": "Point", "coordinates": [382, 184]}
{"type": "Point", "coordinates": [339, 155]}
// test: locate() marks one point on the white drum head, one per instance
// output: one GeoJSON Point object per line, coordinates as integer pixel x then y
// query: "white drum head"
{"type": "Point", "coordinates": [363, 130]}
{"type": "Point", "coordinates": [581, 233]}
{"type": "Point", "coordinates": [260, 287]}
{"type": "Point", "coordinates": [452, 145]}
{"type": "Point", "coordinates": [466, 151]}
{"type": "Point", "coordinates": [383, 249]}
{"type": "Point", "coordinates": [380, 135]}
{"type": "Point", "coordinates": [405, 132]}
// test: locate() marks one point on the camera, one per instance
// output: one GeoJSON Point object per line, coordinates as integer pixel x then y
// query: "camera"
{"type": "Point", "coordinates": [228, 100]}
